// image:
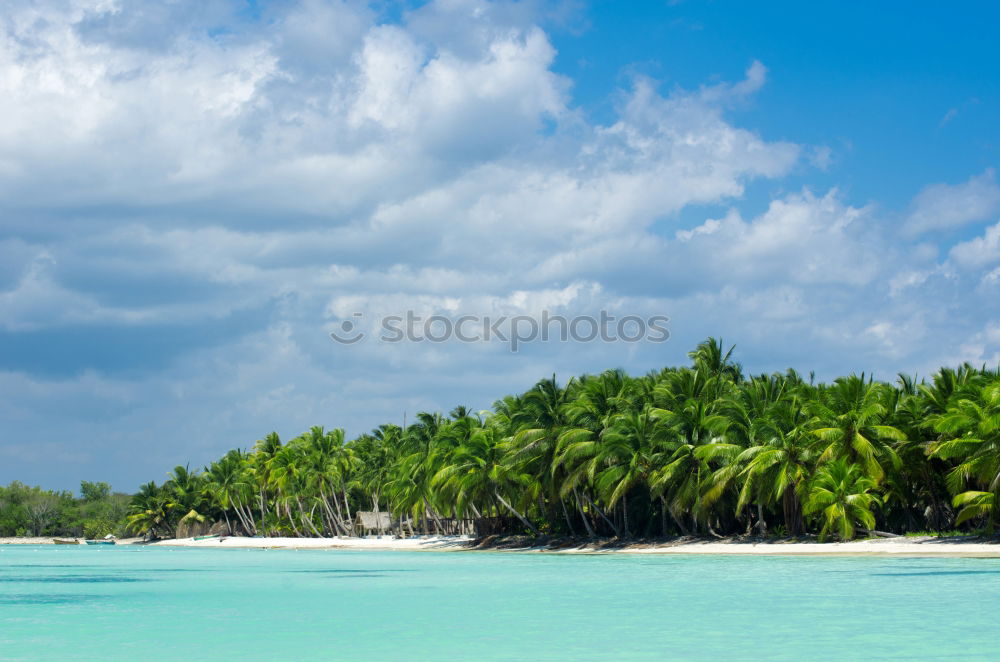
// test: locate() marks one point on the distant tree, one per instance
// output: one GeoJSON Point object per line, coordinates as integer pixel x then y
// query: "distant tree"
{"type": "Point", "coordinates": [91, 492]}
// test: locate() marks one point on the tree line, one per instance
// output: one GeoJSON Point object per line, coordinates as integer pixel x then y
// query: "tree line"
{"type": "Point", "coordinates": [694, 450]}
{"type": "Point", "coordinates": [33, 511]}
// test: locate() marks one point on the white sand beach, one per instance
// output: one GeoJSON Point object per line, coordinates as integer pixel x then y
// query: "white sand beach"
{"type": "Point", "coordinates": [927, 546]}
{"type": "Point", "coordinates": [49, 540]}
{"type": "Point", "coordinates": [416, 543]}
{"type": "Point", "coordinates": [26, 540]}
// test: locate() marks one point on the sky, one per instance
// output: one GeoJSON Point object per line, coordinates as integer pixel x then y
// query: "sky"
{"type": "Point", "coordinates": [194, 195]}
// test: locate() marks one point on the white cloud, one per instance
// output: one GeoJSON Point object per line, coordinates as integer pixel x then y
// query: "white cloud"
{"type": "Point", "coordinates": [799, 239]}
{"type": "Point", "coordinates": [756, 75]}
{"type": "Point", "coordinates": [943, 206]}
{"type": "Point", "coordinates": [978, 252]}
{"type": "Point", "coordinates": [981, 348]}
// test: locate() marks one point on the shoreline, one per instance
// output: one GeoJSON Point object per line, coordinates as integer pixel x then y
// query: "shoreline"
{"type": "Point", "coordinates": [913, 547]}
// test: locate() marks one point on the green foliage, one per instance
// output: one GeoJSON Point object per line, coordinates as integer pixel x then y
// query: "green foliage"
{"type": "Point", "coordinates": [94, 491]}
{"type": "Point", "coordinates": [98, 527]}
{"type": "Point", "coordinates": [32, 511]}
{"type": "Point", "coordinates": [685, 450]}
{"type": "Point", "coordinates": [841, 498]}
{"type": "Point", "coordinates": [970, 426]}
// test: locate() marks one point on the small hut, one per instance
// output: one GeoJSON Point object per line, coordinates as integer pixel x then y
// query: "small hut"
{"type": "Point", "coordinates": [367, 522]}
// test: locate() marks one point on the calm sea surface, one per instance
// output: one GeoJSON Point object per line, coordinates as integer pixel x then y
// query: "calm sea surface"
{"type": "Point", "coordinates": [142, 603]}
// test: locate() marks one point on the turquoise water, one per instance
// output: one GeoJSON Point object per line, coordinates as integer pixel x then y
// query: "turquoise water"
{"type": "Point", "coordinates": [62, 602]}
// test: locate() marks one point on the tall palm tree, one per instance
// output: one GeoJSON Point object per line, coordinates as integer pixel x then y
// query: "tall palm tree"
{"type": "Point", "coordinates": [624, 459]}
{"type": "Point", "coordinates": [590, 414]}
{"type": "Point", "coordinates": [692, 425]}
{"type": "Point", "coordinates": [777, 460]}
{"type": "Point", "coordinates": [260, 469]}
{"type": "Point", "coordinates": [226, 486]}
{"type": "Point", "coordinates": [851, 424]}
{"type": "Point", "coordinates": [149, 511]}
{"type": "Point", "coordinates": [186, 492]}
{"type": "Point", "coordinates": [539, 421]}
{"type": "Point", "coordinates": [973, 425]}
{"type": "Point", "coordinates": [478, 475]}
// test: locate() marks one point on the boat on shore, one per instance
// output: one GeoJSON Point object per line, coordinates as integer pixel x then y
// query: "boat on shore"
{"type": "Point", "coordinates": [65, 541]}
{"type": "Point", "coordinates": [211, 537]}
{"type": "Point", "coordinates": [100, 542]}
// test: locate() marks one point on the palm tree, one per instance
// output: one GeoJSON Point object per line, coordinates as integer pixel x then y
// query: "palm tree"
{"type": "Point", "coordinates": [539, 421]}
{"type": "Point", "coordinates": [260, 461]}
{"type": "Point", "coordinates": [225, 485]}
{"type": "Point", "coordinates": [149, 512]}
{"type": "Point", "coordinates": [850, 424]}
{"type": "Point", "coordinates": [322, 456]}
{"type": "Point", "coordinates": [477, 473]}
{"type": "Point", "coordinates": [710, 358]}
{"type": "Point", "coordinates": [777, 460]}
{"type": "Point", "coordinates": [691, 427]}
{"type": "Point", "coordinates": [974, 427]}
{"type": "Point", "coordinates": [840, 496]}
{"type": "Point", "coordinates": [916, 496]}
{"type": "Point", "coordinates": [186, 492]}
{"type": "Point", "coordinates": [592, 412]}
{"type": "Point", "coordinates": [624, 459]}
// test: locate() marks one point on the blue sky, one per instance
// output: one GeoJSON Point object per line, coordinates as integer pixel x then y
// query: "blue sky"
{"type": "Point", "coordinates": [193, 195]}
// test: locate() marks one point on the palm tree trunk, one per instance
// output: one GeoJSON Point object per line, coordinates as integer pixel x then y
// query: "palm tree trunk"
{"type": "Point", "coordinates": [248, 512]}
{"type": "Point", "coordinates": [516, 513]}
{"type": "Point", "coordinates": [434, 515]}
{"type": "Point", "coordinates": [378, 517]}
{"type": "Point", "coordinates": [761, 524]}
{"type": "Point", "coordinates": [340, 513]}
{"type": "Point", "coordinates": [302, 512]}
{"type": "Point", "coordinates": [244, 521]}
{"type": "Point", "coordinates": [679, 521]}
{"type": "Point", "coordinates": [625, 515]}
{"type": "Point", "coordinates": [309, 521]}
{"type": "Point", "coordinates": [239, 514]}
{"type": "Point", "coordinates": [603, 516]}
{"type": "Point", "coordinates": [583, 515]}
{"type": "Point", "coordinates": [479, 518]}
{"type": "Point", "coordinates": [337, 525]}
{"type": "Point", "coordinates": [572, 532]}
{"type": "Point", "coordinates": [792, 511]}
{"type": "Point", "coordinates": [291, 520]}
{"type": "Point", "coordinates": [347, 504]}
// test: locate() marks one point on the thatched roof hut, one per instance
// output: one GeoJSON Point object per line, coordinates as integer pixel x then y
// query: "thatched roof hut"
{"type": "Point", "coordinates": [366, 522]}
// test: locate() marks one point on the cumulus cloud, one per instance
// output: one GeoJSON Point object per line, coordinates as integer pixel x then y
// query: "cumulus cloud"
{"type": "Point", "coordinates": [944, 206]}
{"type": "Point", "coordinates": [978, 252]}
{"type": "Point", "coordinates": [799, 239]}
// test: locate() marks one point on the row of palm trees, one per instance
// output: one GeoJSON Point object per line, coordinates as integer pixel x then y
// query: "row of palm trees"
{"type": "Point", "coordinates": [698, 450]}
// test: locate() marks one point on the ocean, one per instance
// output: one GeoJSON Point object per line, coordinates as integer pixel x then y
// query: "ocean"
{"type": "Point", "coordinates": [154, 603]}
